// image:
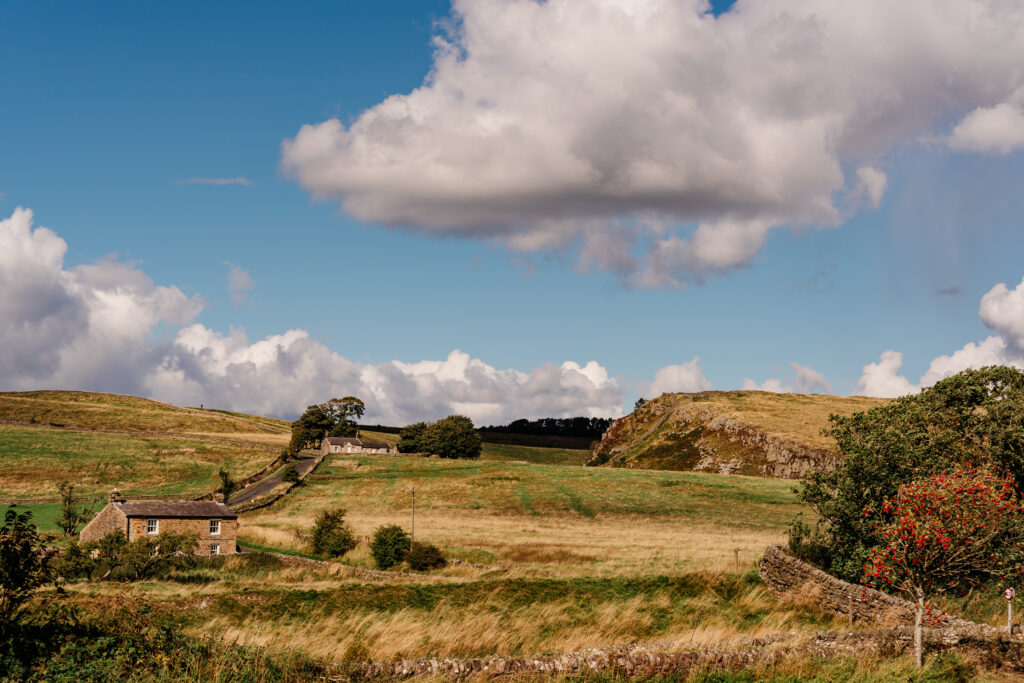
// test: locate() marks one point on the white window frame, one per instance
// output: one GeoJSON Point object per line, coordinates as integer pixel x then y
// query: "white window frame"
{"type": "Point", "coordinates": [152, 527]}
{"type": "Point", "coordinates": [214, 549]}
{"type": "Point", "coordinates": [215, 527]}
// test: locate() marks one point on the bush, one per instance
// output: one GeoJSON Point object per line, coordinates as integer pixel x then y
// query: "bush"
{"type": "Point", "coordinates": [390, 546]}
{"type": "Point", "coordinates": [424, 557]}
{"type": "Point", "coordinates": [22, 567]}
{"type": "Point", "coordinates": [290, 474]}
{"type": "Point", "coordinates": [331, 536]}
{"type": "Point", "coordinates": [115, 559]}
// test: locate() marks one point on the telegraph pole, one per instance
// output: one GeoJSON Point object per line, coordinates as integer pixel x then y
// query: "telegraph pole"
{"type": "Point", "coordinates": [412, 536]}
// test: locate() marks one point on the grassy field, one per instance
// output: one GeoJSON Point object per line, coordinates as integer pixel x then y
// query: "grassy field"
{"type": "Point", "coordinates": [90, 410]}
{"type": "Point", "coordinates": [507, 452]}
{"type": "Point", "coordinates": [549, 517]}
{"type": "Point", "coordinates": [800, 417]}
{"type": "Point", "coordinates": [34, 459]}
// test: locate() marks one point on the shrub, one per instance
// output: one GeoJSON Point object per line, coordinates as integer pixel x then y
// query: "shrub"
{"type": "Point", "coordinates": [452, 437]}
{"type": "Point", "coordinates": [22, 567]}
{"type": "Point", "coordinates": [115, 559]}
{"type": "Point", "coordinates": [424, 557]}
{"type": "Point", "coordinates": [290, 474]}
{"type": "Point", "coordinates": [331, 536]}
{"type": "Point", "coordinates": [390, 546]}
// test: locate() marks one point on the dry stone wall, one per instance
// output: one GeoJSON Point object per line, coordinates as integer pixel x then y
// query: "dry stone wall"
{"type": "Point", "coordinates": [786, 575]}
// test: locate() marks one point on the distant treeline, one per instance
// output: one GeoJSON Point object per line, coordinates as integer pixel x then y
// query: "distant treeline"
{"type": "Point", "coordinates": [547, 432]}
{"type": "Point", "coordinates": [590, 427]}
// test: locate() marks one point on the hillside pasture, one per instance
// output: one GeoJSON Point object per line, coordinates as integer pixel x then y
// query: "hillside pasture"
{"type": "Point", "coordinates": [90, 410]}
{"type": "Point", "coordinates": [550, 518]}
{"type": "Point", "coordinates": [34, 459]}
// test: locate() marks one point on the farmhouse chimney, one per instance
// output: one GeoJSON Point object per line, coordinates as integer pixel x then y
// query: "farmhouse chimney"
{"type": "Point", "coordinates": [115, 497]}
{"type": "Point", "coordinates": [218, 497]}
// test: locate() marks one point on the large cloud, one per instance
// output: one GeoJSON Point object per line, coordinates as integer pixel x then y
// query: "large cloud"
{"type": "Point", "coordinates": [686, 377]}
{"type": "Point", "coordinates": [1001, 310]}
{"type": "Point", "coordinates": [666, 144]}
{"type": "Point", "coordinates": [97, 327]}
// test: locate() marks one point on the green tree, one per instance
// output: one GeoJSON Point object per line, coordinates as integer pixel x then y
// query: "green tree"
{"type": "Point", "coordinates": [410, 439]}
{"type": "Point", "coordinates": [70, 514]}
{"type": "Point", "coordinates": [975, 416]}
{"type": "Point", "coordinates": [639, 403]}
{"type": "Point", "coordinates": [311, 427]}
{"type": "Point", "coordinates": [336, 417]}
{"type": "Point", "coordinates": [227, 484]}
{"type": "Point", "coordinates": [290, 474]}
{"type": "Point", "coordinates": [22, 567]}
{"type": "Point", "coordinates": [452, 437]}
{"type": "Point", "coordinates": [331, 535]}
{"type": "Point", "coordinates": [390, 546]}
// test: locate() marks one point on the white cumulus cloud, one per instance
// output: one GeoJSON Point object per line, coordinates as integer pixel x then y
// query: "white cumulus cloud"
{"type": "Point", "coordinates": [998, 129]}
{"type": "Point", "coordinates": [99, 327]}
{"type": "Point", "coordinates": [662, 142]}
{"type": "Point", "coordinates": [683, 378]}
{"type": "Point", "coordinates": [1001, 310]}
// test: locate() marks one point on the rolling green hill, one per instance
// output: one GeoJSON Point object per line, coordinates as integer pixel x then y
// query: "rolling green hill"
{"type": "Point", "coordinates": [104, 441]}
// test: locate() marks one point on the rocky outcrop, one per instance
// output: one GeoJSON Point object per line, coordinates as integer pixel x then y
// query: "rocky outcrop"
{"type": "Point", "coordinates": [677, 432]}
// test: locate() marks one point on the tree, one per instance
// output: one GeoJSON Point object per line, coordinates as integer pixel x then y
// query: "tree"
{"type": "Point", "coordinates": [331, 535]}
{"type": "Point", "coordinates": [70, 514]}
{"type": "Point", "coordinates": [452, 437]}
{"type": "Point", "coordinates": [947, 533]}
{"type": "Point", "coordinates": [227, 484]}
{"type": "Point", "coordinates": [290, 474]}
{"type": "Point", "coordinates": [22, 567]}
{"type": "Point", "coordinates": [639, 403]}
{"type": "Point", "coordinates": [336, 417]}
{"type": "Point", "coordinates": [390, 546]}
{"type": "Point", "coordinates": [975, 416]}
{"type": "Point", "coordinates": [311, 426]}
{"type": "Point", "coordinates": [410, 439]}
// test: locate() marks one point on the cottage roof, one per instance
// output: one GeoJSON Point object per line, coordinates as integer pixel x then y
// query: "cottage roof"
{"type": "Point", "coordinates": [343, 441]}
{"type": "Point", "coordinates": [182, 509]}
{"type": "Point", "coordinates": [376, 444]}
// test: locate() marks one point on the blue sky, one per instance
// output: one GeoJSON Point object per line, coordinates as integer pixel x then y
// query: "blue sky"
{"type": "Point", "coordinates": [109, 109]}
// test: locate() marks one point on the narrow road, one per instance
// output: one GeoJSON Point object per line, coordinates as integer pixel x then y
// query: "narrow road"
{"type": "Point", "coordinates": [270, 482]}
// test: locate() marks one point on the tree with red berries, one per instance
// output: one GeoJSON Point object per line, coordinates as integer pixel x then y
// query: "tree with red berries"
{"type": "Point", "coordinates": [947, 533]}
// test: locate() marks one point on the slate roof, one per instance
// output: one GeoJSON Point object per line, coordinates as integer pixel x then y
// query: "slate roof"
{"type": "Point", "coordinates": [343, 441]}
{"type": "Point", "coordinates": [180, 509]}
{"type": "Point", "coordinates": [376, 444]}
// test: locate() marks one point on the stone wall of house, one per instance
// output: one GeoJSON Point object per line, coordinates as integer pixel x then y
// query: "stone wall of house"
{"type": "Point", "coordinates": [108, 520]}
{"type": "Point", "coordinates": [201, 527]}
{"type": "Point", "coordinates": [785, 575]}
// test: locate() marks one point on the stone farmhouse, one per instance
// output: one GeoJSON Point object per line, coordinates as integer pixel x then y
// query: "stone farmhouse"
{"type": "Point", "coordinates": [350, 446]}
{"type": "Point", "coordinates": [214, 523]}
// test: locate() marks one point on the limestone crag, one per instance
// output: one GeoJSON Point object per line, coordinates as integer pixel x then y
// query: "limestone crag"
{"type": "Point", "coordinates": [677, 432]}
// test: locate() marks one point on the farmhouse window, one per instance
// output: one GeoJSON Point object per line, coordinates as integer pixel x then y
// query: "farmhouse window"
{"type": "Point", "coordinates": [214, 527]}
{"type": "Point", "coordinates": [215, 549]}
{"type": "Point", "coordinates": [152, 526]}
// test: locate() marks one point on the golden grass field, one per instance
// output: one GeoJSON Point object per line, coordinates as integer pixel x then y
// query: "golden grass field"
{"type": "Point", "coordinates": [800, 417]}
